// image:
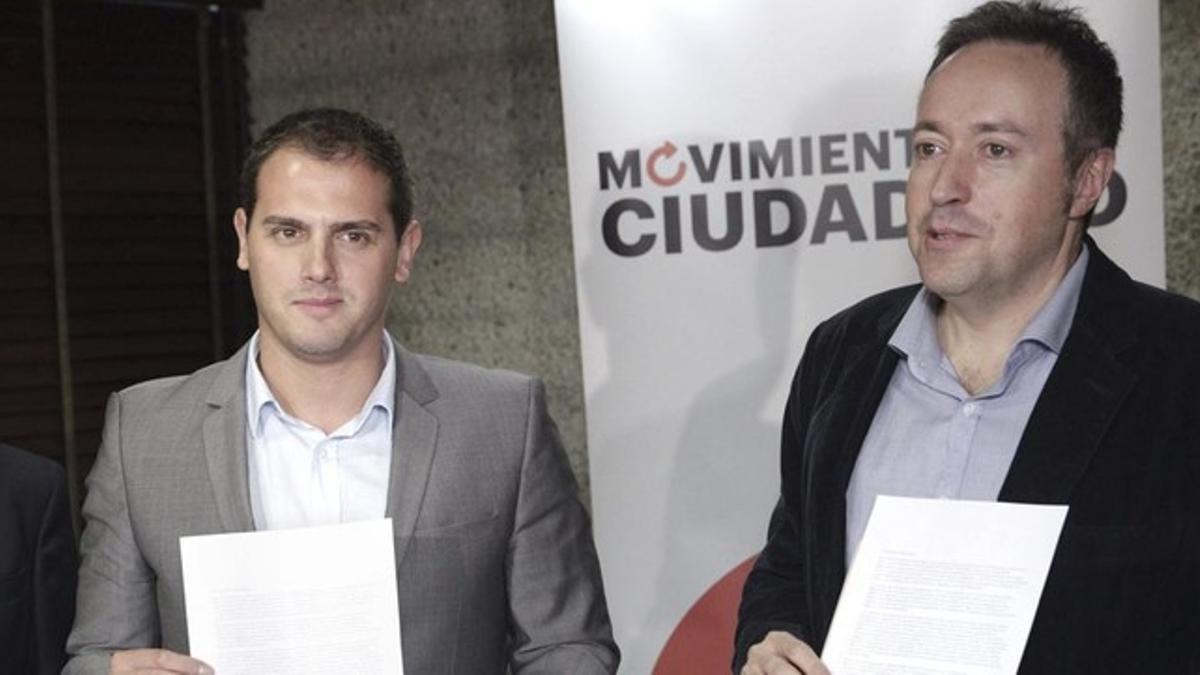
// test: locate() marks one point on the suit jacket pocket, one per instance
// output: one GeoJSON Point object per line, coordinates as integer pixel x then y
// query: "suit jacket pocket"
{"type": "Point", "coordinates": [452, 594]}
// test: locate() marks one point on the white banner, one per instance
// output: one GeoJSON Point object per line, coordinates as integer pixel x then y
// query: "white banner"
{"type": "Point", "coordinates": [737, 175]}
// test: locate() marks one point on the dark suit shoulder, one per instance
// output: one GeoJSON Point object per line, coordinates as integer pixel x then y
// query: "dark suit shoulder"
{"type": "Point", "coordinates": [27, 472]}
{"type": "Point", "coordinates": [866, 313]}
{"type": "Point", "coordinates": [1119, 312]}
{"type": "Point", "coordinates": [28, 484]}
{"type": "Point", "coordinates": [868, 320]}
{"type": "Point", "coordinates": [847, 337]}
{"type": "Point", "coordinates": [1167, 329]}
{"type": "Point", "coordinates": [1180, 312]}
{"type": "Point", "coordinates": [37, 563]}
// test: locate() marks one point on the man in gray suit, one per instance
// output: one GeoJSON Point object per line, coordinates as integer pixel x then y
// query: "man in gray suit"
{"type": "Point", "coordinates": [322, 418]}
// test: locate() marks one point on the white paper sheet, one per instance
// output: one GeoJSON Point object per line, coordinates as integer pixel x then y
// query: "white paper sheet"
{"type": "Point", "coordinates": [304, 601]}
{"type": "Point", "coordinates": [943, 586]}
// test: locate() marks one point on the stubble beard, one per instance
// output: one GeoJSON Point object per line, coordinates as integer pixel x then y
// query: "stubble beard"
{"type": "Point", "coordinates": [942, 274]}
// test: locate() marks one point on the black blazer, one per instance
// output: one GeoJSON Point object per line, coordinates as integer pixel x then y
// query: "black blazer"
{"type": "Point", "coordinates": [37, 564]}
{"type": "Point", "coordinates": [1115, 434]}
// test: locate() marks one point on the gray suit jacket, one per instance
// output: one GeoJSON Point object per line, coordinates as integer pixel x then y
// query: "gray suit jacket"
{"type": "Point", "coordinates": [495, 563]}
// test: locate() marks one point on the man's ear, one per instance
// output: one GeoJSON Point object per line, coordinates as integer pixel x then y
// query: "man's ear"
{"type": "Point", "coordinates": [406, 252]}
{"type": "Point", "coordinates": [240, 223]}
{"type": "Point", "coordinates": [1090, 180]}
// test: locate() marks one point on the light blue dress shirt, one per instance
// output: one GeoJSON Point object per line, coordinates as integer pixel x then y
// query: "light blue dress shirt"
{"type": "Point", "coordinates": [929, 437]}
{"type": "Point", "coordinates": [299, 475]}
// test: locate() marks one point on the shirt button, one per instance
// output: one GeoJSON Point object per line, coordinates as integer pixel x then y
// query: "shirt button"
{"type": "Point", "coordinates": [968, 409]}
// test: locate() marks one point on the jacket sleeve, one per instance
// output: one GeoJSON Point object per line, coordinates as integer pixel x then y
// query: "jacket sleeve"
{"type": "Point", "coordinates": [54, 579]}
{"type": "Point", "coordinates": [116, 606]}
{"type": "Point", "coordinates": [776, 595]}
{"type": "Point", "coordinates": [558, 616]}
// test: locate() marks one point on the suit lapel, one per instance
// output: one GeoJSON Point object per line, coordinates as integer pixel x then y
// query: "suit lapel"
{"type": "Point", "coordinates": [224, 433]}
{"type": "Point", "coordinates": [868, 371]}
{"type": "Point", "coordinates": [414, 441]}
{"type": "Point", "coordinates": [1083, 393]}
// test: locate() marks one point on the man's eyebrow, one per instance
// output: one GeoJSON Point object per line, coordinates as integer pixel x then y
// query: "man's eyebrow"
{"type": "Point", "coordinates": [927, 125]}
{"type": "Point", "coordinates": [283, 220]}
{"type": "Point", "coordinates": [357, 225]}
{"type": "Point", "coordinates": [977, 128]}
{"type": "Point", "coordinates": [998, 127]}
{"type": "Point", "coordinates": [288, 221]}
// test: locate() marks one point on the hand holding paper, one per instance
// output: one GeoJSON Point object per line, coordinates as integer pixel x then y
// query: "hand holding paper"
{"type": "Point", "coordinates": [131, 661]}
{"type": "Point", "coordinates": [780, 651]}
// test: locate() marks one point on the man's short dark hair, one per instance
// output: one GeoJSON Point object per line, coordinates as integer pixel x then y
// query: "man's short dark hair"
{"type": "Point", "coordinates": [332, 134]}
{"type": "Point", "coordinates": [1093, 116]}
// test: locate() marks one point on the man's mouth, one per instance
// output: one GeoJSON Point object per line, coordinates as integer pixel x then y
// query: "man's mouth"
{"type": "Point", "coordinates": [949, 225]}
{"type": "Point", "coordinates": [947, 234]}
{"type": "Point", "coordinates": [318, 304]}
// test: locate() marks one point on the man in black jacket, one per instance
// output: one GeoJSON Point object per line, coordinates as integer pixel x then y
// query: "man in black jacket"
{"type": "Point", "coordinates": [1026, 367]}
{"type": "Point", "coordinates": [37, 564]}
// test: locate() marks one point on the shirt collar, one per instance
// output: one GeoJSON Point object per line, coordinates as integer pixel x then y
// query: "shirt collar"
{"type": "Point", "coordinates": [1053, 321]}
{"type": "Point", "coordinates": [916, 335]}
{"type": "Point", "coordinates": [261, 402]}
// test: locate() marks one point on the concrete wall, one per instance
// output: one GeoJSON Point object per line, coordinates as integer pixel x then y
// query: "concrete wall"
{"type": "Point", "coordinates": [1181, 142]}
{"type": "Point", "coordinates": [471, 88]}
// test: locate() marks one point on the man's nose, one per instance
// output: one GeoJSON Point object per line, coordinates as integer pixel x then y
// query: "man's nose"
{"type": "Point", "coordinates": [953, 180]}
{"type": "Point", "coordinates": [318, 263]}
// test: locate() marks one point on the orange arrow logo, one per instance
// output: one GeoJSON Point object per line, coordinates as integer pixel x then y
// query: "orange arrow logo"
{"type": "Point", "coordinates": [664, 151]}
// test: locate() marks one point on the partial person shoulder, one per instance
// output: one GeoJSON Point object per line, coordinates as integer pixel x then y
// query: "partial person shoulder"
{"type": "Point", "coordinates": [857, 332]}
{"type": "Point", "coordinates": [477, 407]}
{"type": "Point", "coordinates": [180, 394]}
{"type": "Point", "coordinates": [473, 396]}
{"type": "Point", "coordinates": [1170, 319]}
{"type": "Point", "coordinates": [867, 319]}
{"type": "Point", "coordinates": [1168, 305]}
{"type": "Point", "coordinates": [1116, 310]}
{"type": "Point", "coordinates": [22, 470]}
{"type": "Point", "coordinates": [459, 378]}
